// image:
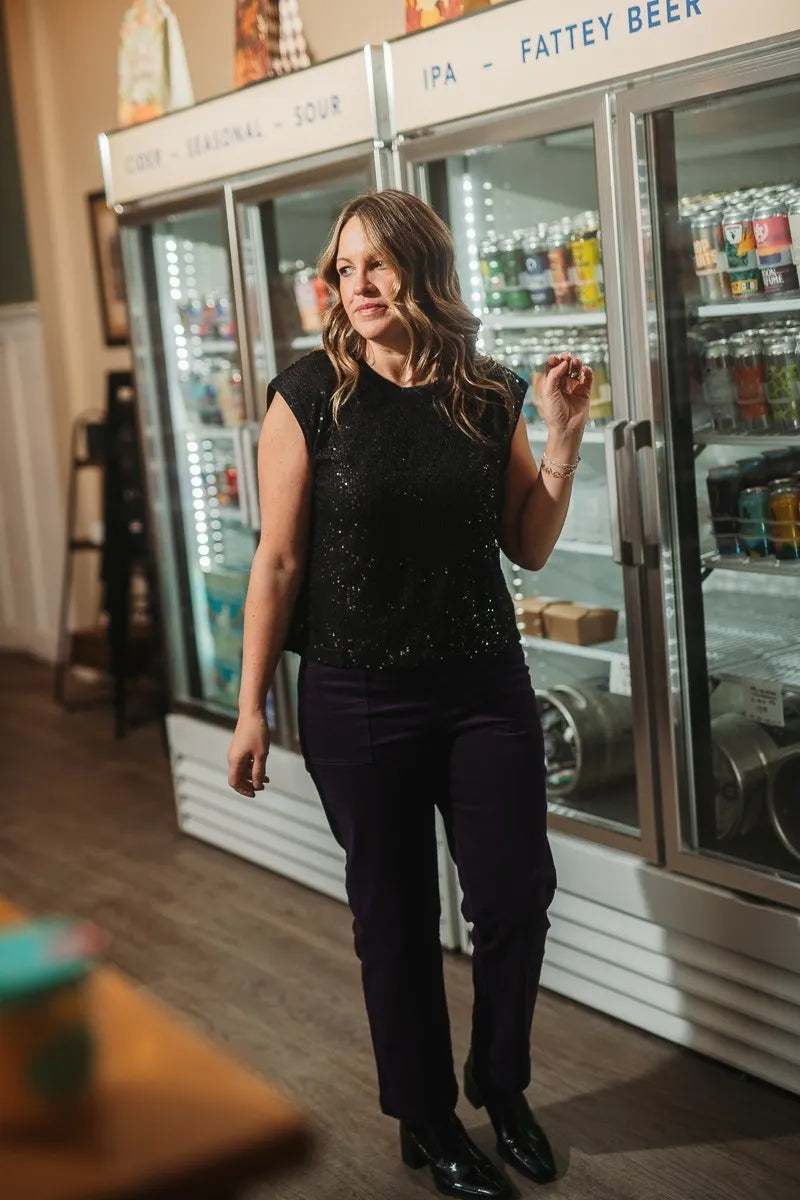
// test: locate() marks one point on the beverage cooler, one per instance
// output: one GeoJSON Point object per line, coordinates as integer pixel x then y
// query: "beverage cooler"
{"type": "Point", "coordinates": [653, 230]}
{"type": "Point", "coordinates": [224, 209]}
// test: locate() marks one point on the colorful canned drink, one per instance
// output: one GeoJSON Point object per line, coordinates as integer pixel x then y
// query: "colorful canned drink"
{"type": "Point", "coordinates": [794, 225]}
{"type": "Point", "coordinates": [774, 245]}
{"type": "Point", "coordinates": [754, 471]}
{"type": "Point", "coordinates": [491, 269]}
{"type": "Point", "coordinates": [750, 379]}
{"type": "Point", "coordinates": [517, 298]}
{"type": "Point", "coordinates": [560, 258]}
{"type": "Point", "coordinates": [754, 519]}
{"type": "Point", "coordinates": [784, 511]}
{"type": "Point", "coordinates": [496, 300]}
{"type": "Point", "coordinates": [710, 261]}
{"type": "Point", "coordinates": [783, 381]}
{"type": "Point", "coordinates": [537, 269]}
{"type": "Point", "coordinates": [740, 248]}
{"type": "Point", "coordinates": [719, 389]}
{"type": "Point", "coordinates": [724, 485]}
{"type": "Point", "coordinates": [512, 261]}
{"type": "Point", "coordinates": [587, 260]}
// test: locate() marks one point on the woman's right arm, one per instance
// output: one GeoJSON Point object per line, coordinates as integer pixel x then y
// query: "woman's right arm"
{"type": "Point", "coordinates": [284, 484]}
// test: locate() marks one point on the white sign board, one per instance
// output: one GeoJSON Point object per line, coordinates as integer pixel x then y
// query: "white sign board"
{"type": "Point", "coordinates": [763, 701]}
{"type": "Point", "coordinates": [318, 109]}
{"type": "Point", "coordinates": [536, 48]}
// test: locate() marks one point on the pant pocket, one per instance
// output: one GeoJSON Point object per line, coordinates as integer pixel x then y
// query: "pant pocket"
{"type": "Point", "coordinates": [333, 715]}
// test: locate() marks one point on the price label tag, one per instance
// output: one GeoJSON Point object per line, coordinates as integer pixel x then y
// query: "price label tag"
{"type": "Point", "coordinates": [619, 679]}
{"type": "Point", "coordinates": [763, 701]}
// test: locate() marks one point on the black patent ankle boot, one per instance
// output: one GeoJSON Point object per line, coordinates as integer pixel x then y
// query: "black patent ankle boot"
{"type": "Point", "coordinates": [521, 1141]}
{"type": "Point", "coordinates": [458, 1167]}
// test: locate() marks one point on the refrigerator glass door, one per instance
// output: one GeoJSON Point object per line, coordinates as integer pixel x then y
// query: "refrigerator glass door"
{"type": "Point", "coordinates": [724, 175]}
{"type": "Point", "coordinates": [530, 257]}
{"type": "Point", "coordinates": [201, 412]}
{"type": "Point", "coordinates": [281, 239]}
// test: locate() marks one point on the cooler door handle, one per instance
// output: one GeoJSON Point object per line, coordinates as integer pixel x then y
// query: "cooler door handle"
{"type": "Point", "coordinates": [242, 481]}
{"type": "Point", "coordinates": [615, 447]}
{"type": "Point", "coordinates": [639, 436]}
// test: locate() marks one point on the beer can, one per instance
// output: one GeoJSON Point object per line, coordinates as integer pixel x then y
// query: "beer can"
{"type": "Point", "coordinates": [750, 380]}
{"type": "Point", "coordinates": [754, 471]}
{"type": "Point", "coordinates": [517, 298]}
{"type": "Point", "coordinates": [793, 213]}
{"type": "Point", "coordinates": [740, 249]}
{"type": "Point", "coordinates": [587, 260]}
{"type": "Point", "coordinates": [754, 518]}
{"type": "Point", "coordinates": [494, 279]}
{"type": "Point", "coordinates": [496, 300]}
{"type": "Point", "coordinates": [724, 485]}
{"type": "Point", "coordinates": [560, 258]}
{"type": "Point", "coordinates": [537, 268]}
{"type": "Point", "coordinates": [710, 261]}
{"type": "Point", "coordinates": [778, 464]}
{"type": "Point", "coordinates": [784, 511]}
{"type": "Point", "coordinates": [719, 389]}
{"type": "Point", "coordinates": [782, 367]}
{"type": "Point", "coordinates": [512, 261]}
{"type": "Point", "coordinates": [594, 354]}
{"type": "Point", "coordinates": [774, 246]}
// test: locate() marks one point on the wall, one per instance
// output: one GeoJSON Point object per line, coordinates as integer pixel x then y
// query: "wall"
{"type": "Point", "coordinates": [63, 79]}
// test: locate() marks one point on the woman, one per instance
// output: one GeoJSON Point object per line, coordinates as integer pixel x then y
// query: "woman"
{"type": "Point", "coordinates": [393, 464]}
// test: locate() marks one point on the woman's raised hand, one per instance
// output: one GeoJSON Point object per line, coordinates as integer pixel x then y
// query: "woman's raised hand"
{"type": "Point", "coordinates": [565, 392]}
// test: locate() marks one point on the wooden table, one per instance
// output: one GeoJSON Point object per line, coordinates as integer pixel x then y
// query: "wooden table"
{"type": "Point", "coordinates": [173, 1119]}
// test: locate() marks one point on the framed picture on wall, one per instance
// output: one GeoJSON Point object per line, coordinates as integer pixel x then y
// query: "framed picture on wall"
{"type": "Point", "coordinates": [110, 276]}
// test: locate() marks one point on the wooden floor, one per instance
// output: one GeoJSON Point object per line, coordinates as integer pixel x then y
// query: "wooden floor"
{"type": "Point", "coordinates": [267, 968]}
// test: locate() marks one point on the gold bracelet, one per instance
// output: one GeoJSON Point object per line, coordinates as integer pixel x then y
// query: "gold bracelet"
{"type": "Point", "coordinates": [559, 470]}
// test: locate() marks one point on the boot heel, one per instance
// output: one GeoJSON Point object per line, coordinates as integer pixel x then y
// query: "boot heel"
{"type": "Point", "coordinates": [471, 1089]}
{"type": "Point", "coordinates": [410, 1152]}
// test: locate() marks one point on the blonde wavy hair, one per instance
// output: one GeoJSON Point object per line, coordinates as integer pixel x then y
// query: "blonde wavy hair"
{"type": "Point", "coordinates": [408, 235]}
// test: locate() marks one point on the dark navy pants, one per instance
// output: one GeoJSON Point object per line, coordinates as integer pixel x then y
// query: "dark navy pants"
{"type": "Point", "coordinates": [385, 748]}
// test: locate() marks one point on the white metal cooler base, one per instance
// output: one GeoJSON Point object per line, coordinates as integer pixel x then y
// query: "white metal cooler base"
{"type": "Point", "coordinates": [692, 963]}
{"type": "Point", "coordinates": [284, 828]}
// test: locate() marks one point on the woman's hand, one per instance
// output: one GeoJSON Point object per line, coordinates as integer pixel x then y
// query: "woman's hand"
{"type": "Point", "coordinates": [565, 391]}
{"type": "Point", "coordinates": [247, 756]}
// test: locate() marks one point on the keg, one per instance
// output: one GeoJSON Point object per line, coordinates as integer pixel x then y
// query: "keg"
{"type": "Point", "coordinates": [741, 754]}
{"type": "Point", "coordinates": [783, 797]}
{"type": "Point", "coordinates": [588, 737]}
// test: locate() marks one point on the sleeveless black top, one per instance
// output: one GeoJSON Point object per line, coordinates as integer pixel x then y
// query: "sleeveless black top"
{"type": "Point", "coordinates": [403, 562]}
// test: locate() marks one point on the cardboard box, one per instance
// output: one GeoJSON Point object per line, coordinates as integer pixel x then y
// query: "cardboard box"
{"type": "Point", "coordinates": [578, 624]}
{"type": "Point", "coordinates": [530, 610]}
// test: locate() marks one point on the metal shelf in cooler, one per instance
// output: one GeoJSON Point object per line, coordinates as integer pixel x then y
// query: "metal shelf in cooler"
{"type": "Point", "coordinates": [200, 346]}
{"type": "Point", "coordinates": [707, 437]}
{"type": "Point", "coordinates": [541, 320]}
{"type": "Point", "coordinates": [602, 652]}
{"type": "Point", "coordinates": [745, 308]}
{"type": "Point", "coordinates": [756, 566]}
{"type": "Point", "coordinates": [762, 644]}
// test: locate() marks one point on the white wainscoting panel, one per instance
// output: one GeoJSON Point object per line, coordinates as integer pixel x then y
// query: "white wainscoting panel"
{"type": "Point", "coordinates": [283, 829]}
{"type": "Point", "coordinates": [31, 507]}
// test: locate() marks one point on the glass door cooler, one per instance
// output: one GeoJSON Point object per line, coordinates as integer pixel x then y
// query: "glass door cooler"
{"type": "Point", "coordinates": [194, 414]}
{"type": "Point", "coordinates": [530, 201]}
{"type": "Point", "coordinates": [714, 165]}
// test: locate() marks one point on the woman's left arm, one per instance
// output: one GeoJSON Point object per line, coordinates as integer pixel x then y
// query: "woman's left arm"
{"type": "Point", "coordinates": [536, 500]}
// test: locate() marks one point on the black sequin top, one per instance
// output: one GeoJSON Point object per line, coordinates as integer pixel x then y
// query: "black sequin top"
{"type": "Point", "coordinates": [403, 563]}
